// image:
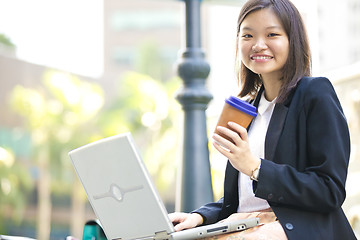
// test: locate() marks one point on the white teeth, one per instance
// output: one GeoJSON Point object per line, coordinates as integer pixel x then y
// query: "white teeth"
{"type": "Point", "coordinates": [261, 57]}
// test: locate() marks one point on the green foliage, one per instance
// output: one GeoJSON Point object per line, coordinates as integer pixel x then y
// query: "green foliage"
{"type": "Point", "coordinates": [4, 40]}
{"type": "Point", "coordinates": [155, 60]}
{"type": "Point", "coordinates": [149, 60]}
{"type": "Point", "coordinates": [60, 114]}
{"type": "Point", "coordinates": [147, 108]}
{"type": "Point", "coordinates": [141, 104]}
{"type": "Point", "coordinates": [15, 183]}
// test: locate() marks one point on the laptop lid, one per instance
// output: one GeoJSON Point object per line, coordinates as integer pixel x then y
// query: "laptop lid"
{"type": "Point", "coordinates": [119, 188]}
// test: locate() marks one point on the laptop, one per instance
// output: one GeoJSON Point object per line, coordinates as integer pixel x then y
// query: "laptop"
{"type": "Point", "coordinates": [123, 196]}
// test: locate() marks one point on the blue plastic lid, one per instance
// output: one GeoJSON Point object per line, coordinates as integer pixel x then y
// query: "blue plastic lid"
{"type": "Point", "coordinates": [241, 105]}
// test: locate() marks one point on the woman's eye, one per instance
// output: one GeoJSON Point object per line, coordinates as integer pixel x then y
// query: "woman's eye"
{"type": "Point", "coordinates": [246, 36]}
{"type": "Point", "coordinates": [273, 34]}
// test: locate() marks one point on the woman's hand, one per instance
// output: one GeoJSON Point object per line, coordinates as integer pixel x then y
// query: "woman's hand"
{"type": "Point", "coordinates": [183, 221]}
{"type": "Point", "coordinates": [237, 152]}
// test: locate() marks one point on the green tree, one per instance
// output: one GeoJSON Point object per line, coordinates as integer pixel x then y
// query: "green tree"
{"type": "Point", "coordinates": [155, 60]}
{"type": "Point", "coordinates": [147, 108]}
{"type": "Point", "coordinates": [4, 40]}
{"type": "Point", "coordinates": [60, 116]}
{"type": "Point", "coordinates": [15, 183]}
{"type": "Point", "coordinates": [7, 47]}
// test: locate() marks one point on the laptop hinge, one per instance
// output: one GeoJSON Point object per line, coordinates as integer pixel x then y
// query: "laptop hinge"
{"type": "Point", "coordinates": [162, 235]}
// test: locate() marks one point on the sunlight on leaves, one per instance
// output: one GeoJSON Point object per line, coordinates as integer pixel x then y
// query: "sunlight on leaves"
{"type": "Point", "coordinates": [6, 157]}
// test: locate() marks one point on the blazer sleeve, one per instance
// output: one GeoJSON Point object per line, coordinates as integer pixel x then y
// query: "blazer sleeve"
{"type": "Point", "coordinates": [210, 212]}
{"type": "Point", "coordinates": [311, 177]}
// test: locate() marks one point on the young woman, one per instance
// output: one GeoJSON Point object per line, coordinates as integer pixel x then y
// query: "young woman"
{"type": "Point", "coordinates": [290, 166]}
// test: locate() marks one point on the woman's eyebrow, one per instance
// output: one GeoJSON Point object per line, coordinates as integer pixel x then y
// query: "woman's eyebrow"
{"type": "Point", "coordinates": [247, 28]}
{"type": "Point", "coordinates": [275, 27]}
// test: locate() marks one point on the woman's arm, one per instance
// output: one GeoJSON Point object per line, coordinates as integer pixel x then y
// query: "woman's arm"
{"type": "Point", "coordinates": [210, 212]}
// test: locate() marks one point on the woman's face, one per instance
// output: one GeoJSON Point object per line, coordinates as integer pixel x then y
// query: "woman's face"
{"type": "Point", "coordinates": [263, 43]}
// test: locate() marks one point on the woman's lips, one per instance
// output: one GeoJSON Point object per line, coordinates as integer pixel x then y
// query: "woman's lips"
{"type": "Point", "coordinates": [260, 58]}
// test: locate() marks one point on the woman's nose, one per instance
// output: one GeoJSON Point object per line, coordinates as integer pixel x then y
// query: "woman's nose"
{"type": "Point", "coordinates": [259, 46]}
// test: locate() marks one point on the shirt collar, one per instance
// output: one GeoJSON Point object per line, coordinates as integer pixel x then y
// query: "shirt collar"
{"type": "Point", "coordinates": [265, 105]}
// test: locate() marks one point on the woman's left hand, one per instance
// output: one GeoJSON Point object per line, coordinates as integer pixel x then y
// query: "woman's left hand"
{"type": "Point", "coordinates": [238, 152]}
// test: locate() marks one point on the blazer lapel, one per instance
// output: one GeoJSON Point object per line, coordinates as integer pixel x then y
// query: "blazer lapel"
{"type": "Point", "coordinates": [274, 130]}
{"type": "Point", "coordinates": [276, 124]}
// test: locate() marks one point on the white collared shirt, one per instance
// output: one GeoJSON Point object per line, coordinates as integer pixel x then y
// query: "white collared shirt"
{"type": "Point", "coordinates": [256, 135]}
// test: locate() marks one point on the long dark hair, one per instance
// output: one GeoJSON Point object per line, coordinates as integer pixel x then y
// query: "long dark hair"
{"type": "Point", "coordinates": [298, 63]}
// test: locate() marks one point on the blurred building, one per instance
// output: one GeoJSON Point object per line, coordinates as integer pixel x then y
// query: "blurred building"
{"type": "Point", "coordinates": [346, 81]}
{"type": "Point", "coordinates": [339, 33]}
{"type": "Point", "coordinates": [142, 36]}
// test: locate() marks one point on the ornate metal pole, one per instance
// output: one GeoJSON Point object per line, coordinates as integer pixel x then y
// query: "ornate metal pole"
{"type": "Point", "coordinates": [196, 187]}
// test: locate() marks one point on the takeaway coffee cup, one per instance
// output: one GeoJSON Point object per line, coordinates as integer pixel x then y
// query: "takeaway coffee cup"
{"type": "Point", "coordinates": [238, 111]}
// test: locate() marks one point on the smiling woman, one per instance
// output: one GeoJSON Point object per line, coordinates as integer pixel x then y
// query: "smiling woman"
{"type": "Point", "coordinates": [291, 163]}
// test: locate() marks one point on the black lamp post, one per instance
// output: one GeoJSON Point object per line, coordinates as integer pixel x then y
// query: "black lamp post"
{"type": "Point", "coordinates": [196, 187]}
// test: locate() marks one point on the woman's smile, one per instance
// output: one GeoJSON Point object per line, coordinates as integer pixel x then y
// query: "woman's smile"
{"type": "Point", "coordinates": [260, 58]}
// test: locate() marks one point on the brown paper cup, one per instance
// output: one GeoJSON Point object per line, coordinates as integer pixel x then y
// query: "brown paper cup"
{"type": "Point", "coordinates": [236, 111]}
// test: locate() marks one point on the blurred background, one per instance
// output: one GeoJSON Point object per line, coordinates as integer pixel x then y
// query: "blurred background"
{"type": "Point", "coordinates": [75, 71]}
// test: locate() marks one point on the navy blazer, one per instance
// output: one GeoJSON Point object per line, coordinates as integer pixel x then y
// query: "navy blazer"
{"type": "Point", "coordinates": [307, 149]}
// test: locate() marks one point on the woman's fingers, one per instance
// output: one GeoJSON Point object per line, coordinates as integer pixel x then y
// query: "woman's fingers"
{"type": "Point", "coordinates": [238, 152]}
{"type": "Point", "coordinates": [185, 220]}
{"type": "Point", "coordinates": [222, 150]}
{"type": "Point", "coordinates": [236, 132]}
{"type": "Point", "coordinates": [239, 129]}
{"type": "Point", "coordinates": [221, 141]}
{"type": "Point", "coordinates": [230, 134]}
{"type": "Point", "coordinates": [177, 217]}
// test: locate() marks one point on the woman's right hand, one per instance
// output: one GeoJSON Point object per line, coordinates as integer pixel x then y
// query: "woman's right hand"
{"type": "Point", "coordinates": [183, 221]}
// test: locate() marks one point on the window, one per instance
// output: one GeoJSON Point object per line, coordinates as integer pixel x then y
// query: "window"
{"type": "Point", "coordinates": [144, 20]}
